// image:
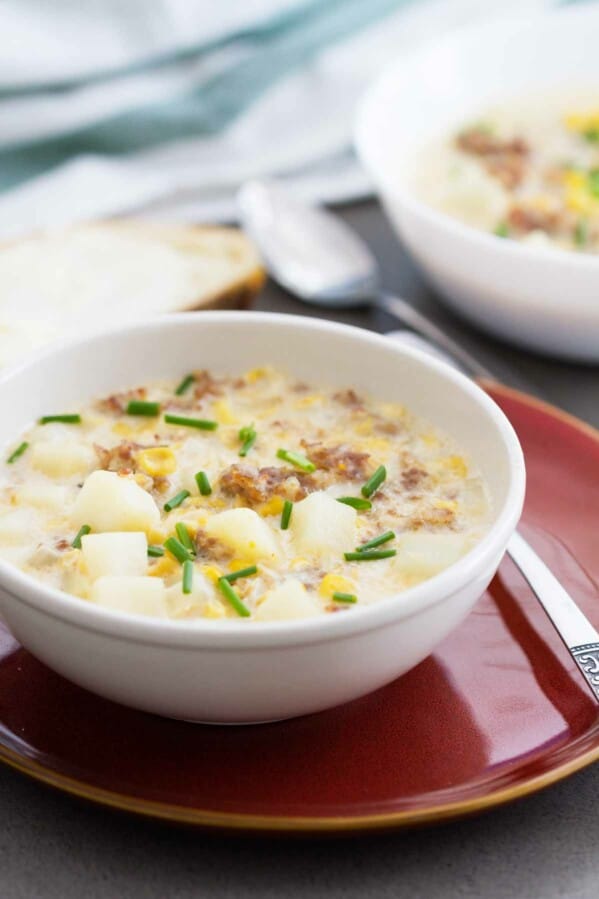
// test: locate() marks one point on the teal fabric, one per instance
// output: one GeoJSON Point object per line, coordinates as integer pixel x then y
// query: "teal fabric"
{"type": "Point", "coordinates": [275, 49]}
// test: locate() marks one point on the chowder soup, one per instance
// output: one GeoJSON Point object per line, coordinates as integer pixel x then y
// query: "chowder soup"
{"type": "Point", "coordinates": [251, 496]}
{"type": "Point", "coordinates": [527, 170]}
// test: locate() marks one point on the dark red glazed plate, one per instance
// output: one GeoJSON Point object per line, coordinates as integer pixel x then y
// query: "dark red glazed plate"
{"type": "Point", "coordinates": [497, 712]}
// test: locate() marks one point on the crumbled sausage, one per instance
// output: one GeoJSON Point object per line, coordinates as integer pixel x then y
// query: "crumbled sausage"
{"type": "Point", "coordinates": [256, 486]}
{"type": "Point", "coordinates": [119, 458]}
{"type": "Point", "coordinates": [340, 459]}
{"type": "Point", "coordinates": [525, 219]}
{"type": "Point", "coordinates": [412, 477]}
{"type": "Point", "coordinates": [116, 403]}
{"type": "Point", "coordinates": [504, 159]}
{"type": "Point", "coordinates": [348, 398]}
{"type": "Point", "coordinates": [481, 142]}
{"type": "Point", "coordinates": [210, 547]}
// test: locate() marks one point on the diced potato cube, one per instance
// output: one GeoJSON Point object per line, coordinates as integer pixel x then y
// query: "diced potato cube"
{"type": "Point", "coordinates": [18, 526]}
{"type": "Point", "coordinates": [244, 532]}
{"type": "Point", "coordinates": [288, 601]}
{"type": "Point", "coordinates": [181, 604]}
{"type": "Point", "coordinates": [423, 555]}
{"type": "Point", "coordinates": [109, 502]}
{"type": "Point", "coordinates": [51, 497]}
{"type": "Point", "coordinates": [61, 458]}
{"type": "Point", "coordinates": [115, 554]}
{"type": "Point", "coordinates": [135, 595]}
{"type": "Point", "coordinates": [320, 524]}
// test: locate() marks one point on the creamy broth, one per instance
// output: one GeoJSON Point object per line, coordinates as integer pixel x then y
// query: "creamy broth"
{"type": "Point", "coordinates": [237, 497]}
{"type": "Point", "coordinates": [527, 170]}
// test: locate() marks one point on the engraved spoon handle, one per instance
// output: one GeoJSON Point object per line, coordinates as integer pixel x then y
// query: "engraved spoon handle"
{"type": "Point", "coordinates": [578, 634]}
{"type": "Point", "coordinates": [576, 631]}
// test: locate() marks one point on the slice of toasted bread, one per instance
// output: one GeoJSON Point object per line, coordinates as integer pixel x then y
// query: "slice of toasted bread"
{"type": "Point", "coordinates": [61, 282]}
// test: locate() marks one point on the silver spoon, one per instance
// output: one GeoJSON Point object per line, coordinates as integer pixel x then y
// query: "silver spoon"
{"type": "Point", "coordinates": [315, 256]}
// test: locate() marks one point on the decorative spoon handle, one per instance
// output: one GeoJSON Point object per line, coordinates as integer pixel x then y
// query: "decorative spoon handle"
{"type": "Point", "coordinates": [577, 632]}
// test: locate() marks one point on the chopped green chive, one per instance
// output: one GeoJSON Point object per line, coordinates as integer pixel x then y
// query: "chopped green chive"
{"type": "Point", "coordinates": [297, 459]}
{"type": "Point", "coordinates": [502, 230]}
{"type": "Point", "coordinates": [203, 483]}
{"type": "Point", "coordinates": [155, 551]}
{"type": "Point", "coordinates": [344, 597]}
{"type": "Point", "coordinates": [141, 407]}
{"type": "Point", "coordinates": [376, 541]}
{"type": "Point", "coordinates": [176, 500]}
{"type": "Point", "coordinates": [185, 385]}
{"type": "Point", "coordinates": [18, 452]}
{"type": "Point", "coordinates": [187, 576]}
{"type": "Point", "coordinates": [248, 436]}
{"type": "Point", "coordinates": [356, 502]}
{"type": "Point", "coordinates": [184, 536]}
{"type": "Point", "coordinates": [176, 548]}
{"type": "Point", "coordinates": [65, 419]}
{"type": "Point", "coordinates": [592, 135]}
{"type": "Point", "coordinates": [227, 590]}
{"type": "Point", "coordinates": [369, 555]}
{"type": "Point", "coordinates": [202, 424]}
{"type": "Point", "coordinates": [83, 530]}
{"type": "Point", "coordinates": [243, 572]}
{"type": "Point", "coordinates": [286, 514]}
{"type": "Point", "coordinates": [374, 482]}
{"type": "Point", "coordinates": [581, 233]}
{"type": "Point", "coordinates": [593, 182]}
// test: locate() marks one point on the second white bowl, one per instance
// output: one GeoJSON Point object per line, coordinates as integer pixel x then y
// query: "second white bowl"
{"type": "Point", "coordinates": [541, 299]}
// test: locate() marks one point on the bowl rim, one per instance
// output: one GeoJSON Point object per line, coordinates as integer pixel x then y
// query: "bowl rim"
{"type": "Point", "coordinates": [364, 138]}
{"type": "Point", "coordinates": [213, 635]}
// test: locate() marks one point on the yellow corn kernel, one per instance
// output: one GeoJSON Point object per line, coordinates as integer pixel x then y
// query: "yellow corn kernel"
{"type": "Point", "coordinates": [222, 412]}
{"type": "Point", "coordinates": [255, 374]}
{"type": "Point", "coordinates": [392, 410]}
{"type": "Point", "coordinates": [335, 583]}
{"type": "Point", "coordinates": [158, 461]}
{"type": "Point", "coordinates": [121, 429]}
{"type": "Point", "coordinates": [274, 506]}
{"type": "Point", "coordinates": [581, 121]}
{"type": "Point", "coordinates": [163, 567]}
{"type": "Point", "coordinates": [157, 535]}
{"type": "Point", "coordinates": [239, 564]}
{"type": "Point", "coordinates": [212, 572]}
{"type": "Point", "coordinates": [430, 440]}
{"type": "Point", "coordinates": [305, 401]}
{"type": "Point", "coordinates": [580, 201]}
{"type": "Point", "coordinates": [364, 428]}
{"type": "Point", "coordinates": [377, 445]}
{"type": "Point", "coordinates": [214, 609]}
{"type": "Point", "coordinates": [456, 465]}
{"type": "Point", "coordinates": [449, 504]}
{"type": "Point", "coordinates": [575, 179]}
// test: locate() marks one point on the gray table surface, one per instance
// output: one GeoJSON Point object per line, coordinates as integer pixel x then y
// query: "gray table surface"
{"type": "Point", "coordinates": [543, 846]}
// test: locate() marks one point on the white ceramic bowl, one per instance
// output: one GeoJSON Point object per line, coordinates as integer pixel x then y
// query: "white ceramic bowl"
{"type": "Point", "coordinates": [542, 299]}
{"type": "Point", "coordinates": [249, 671]}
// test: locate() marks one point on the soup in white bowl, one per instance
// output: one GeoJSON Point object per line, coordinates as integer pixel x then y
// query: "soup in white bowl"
{"type": "Point", "coordinates": [526, 170]}
{"type": "Point", "coordinates": [252, 496]}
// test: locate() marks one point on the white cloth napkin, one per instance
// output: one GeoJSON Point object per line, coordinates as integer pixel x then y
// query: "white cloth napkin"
{"type": "Point", "coordinates": [69, 70]}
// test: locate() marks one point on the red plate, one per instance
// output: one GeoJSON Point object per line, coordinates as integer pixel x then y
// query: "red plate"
{"type": "Point", "coordinates": [498, 712]}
